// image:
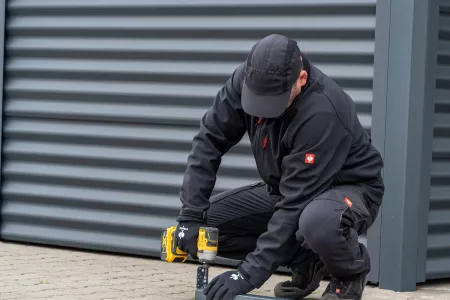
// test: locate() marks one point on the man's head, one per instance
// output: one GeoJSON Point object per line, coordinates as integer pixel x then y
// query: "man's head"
{"type": "Point", "coordinates": [274, 77]}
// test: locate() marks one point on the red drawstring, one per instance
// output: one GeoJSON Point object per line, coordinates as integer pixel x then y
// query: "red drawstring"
{"type": "Point", "coordinates": [265, 139]}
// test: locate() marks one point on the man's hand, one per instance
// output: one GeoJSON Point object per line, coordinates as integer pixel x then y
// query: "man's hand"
{"type": "Point", "coordinates": [186, 237]}
{"type": "Point", "coordinates": [226, 286]}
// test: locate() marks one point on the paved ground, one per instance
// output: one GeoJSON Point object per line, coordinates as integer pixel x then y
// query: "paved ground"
{"type": "Point", "coordinates": [32, 272]}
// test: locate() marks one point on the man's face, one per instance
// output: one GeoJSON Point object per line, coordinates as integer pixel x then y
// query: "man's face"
{"type": "Point", "coordinates": [297, 87]}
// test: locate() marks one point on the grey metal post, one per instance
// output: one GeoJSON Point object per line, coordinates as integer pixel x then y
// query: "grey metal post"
{"type": "Point", "coordinates": [431, 42]}
{"type": "Point", "coordinates": [404, 114]}
{"type": "Point", "coordinates": [378, 128]}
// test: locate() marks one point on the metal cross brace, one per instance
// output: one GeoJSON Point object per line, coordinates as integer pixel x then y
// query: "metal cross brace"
{"type": "Point", "coordinates": [202, 280]}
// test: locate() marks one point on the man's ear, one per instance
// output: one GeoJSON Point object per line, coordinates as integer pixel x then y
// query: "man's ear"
{"type": "Point", "coordinates": [303, 78]}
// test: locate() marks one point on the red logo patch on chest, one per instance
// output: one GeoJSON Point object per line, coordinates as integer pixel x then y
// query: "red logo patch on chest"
{"type": "Point", "coordinates": [309, 158]}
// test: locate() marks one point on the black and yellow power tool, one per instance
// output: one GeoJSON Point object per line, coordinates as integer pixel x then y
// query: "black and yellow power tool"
{"type": "Point", "coordinates": [207, 245]}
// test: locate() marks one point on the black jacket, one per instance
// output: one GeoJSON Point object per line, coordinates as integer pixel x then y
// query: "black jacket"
{"type": "Point", "coordinates": [317, 143]}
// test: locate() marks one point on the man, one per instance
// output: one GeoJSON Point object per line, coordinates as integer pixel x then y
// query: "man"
{"type": "Point", "coordinates": [321, 179]}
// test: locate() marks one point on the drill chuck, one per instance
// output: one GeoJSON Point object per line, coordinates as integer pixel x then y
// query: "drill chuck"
{"type": "Point", "coordinates": [208, 240]}
{"type": "Point", "coordinates": [206, 256]}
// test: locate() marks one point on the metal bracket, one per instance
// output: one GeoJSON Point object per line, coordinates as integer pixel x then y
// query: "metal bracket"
{"type": "Point", "coordinates": [202, 281]}
{"type": "Point", "coordinates": [202, 276]}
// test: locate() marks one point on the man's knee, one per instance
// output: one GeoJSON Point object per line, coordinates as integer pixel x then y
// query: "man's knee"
{"type": "Point", "coordinates": [319, 226]}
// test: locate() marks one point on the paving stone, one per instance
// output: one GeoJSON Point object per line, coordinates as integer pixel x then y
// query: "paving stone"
{"type": "Point", "coordinates": [48, 273]}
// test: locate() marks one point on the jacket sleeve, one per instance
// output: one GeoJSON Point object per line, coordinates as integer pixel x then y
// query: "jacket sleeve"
{"type": "Point", "coordinates": [326, 138]}
{"type": "Point", "coordinates": [221, 127]}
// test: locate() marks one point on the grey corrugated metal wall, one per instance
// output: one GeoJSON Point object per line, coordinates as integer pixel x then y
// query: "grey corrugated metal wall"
{"type": "Point", "coordinates": [438, 254]}
{"type": "Point", "coordinates": [102, 100]}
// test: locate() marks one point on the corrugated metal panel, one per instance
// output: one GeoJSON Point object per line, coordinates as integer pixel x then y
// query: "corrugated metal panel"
{"type": "Point", "coordinates": [103, 99]}
{"type": "Point", "coordinates": [438, 258]}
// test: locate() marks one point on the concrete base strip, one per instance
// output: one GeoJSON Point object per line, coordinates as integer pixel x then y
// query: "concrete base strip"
{"type": "Point", "coordinates": [199, 296]}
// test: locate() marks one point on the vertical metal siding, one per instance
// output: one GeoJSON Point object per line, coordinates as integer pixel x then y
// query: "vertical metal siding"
{"type": "Point", "coordinates": [438, 254]}
{"type": "Point", "coordinates": [103, 99]}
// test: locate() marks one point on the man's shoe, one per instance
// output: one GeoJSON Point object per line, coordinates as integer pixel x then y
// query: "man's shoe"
{"type": "Point", "coordinates": [345, 290]}
{"type": "Point", "coordinates": [305, 280]}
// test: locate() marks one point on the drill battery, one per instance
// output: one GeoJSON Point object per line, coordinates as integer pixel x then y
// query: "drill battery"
{"type": "Point", "coordinates": [169, 250]}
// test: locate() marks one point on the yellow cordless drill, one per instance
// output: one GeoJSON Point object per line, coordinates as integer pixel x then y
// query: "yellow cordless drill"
{"type": "Point", "coordinates": [207, 244]}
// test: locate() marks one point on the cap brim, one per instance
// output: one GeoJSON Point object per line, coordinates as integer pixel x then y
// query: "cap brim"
{"type": "Point", "coordinates": [264, 106]}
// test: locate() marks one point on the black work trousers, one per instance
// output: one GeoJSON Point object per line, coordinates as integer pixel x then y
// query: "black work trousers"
{"type": "Point", "coordinates": [327, 229]}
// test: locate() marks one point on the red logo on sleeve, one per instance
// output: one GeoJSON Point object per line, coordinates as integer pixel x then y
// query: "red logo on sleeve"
{"type": "Point", "coordinates": [348, 201]}
{"type": "Point", "coordinates": [309, 158]}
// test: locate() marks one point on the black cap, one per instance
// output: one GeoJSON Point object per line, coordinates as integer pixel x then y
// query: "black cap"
{"type": "Point", "coordinates": [273, 66]}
